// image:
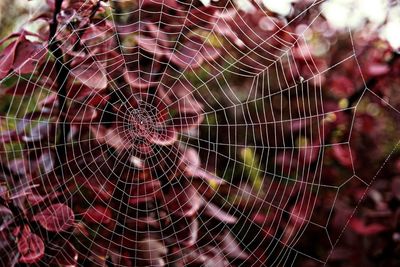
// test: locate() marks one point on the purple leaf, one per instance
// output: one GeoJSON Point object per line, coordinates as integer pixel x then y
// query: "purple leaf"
{"type": "Point", "coordinates": [180, 98]}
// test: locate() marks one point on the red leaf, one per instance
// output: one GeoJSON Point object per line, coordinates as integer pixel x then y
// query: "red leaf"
{"type": "Point", "coordinates": [39, 132]}
{"type": "Point", "coordinates": [214, 211]}
{"type": "Point", "coordinates": [64, 253]}
{"type": "Point", "coordinates": [21, 55]}
{"type": "Point", "coordinates": [191, 160]}
{"type": "Point", "coordinates": [134, 79]}
{"type": "Point", "coordinates": [98, 214]}
{"type": "Point", "coordinates": [30, 246]}
{"type": "Point", "coordinates": [191, 166]}
{"type": "Point", "coordinates": [342, 86]}
{"type": "Point", "coordinates": [28, 56]}
{"type": "Point", "coordinates": [180, 98]}
{"type": "Point", "coordinates": [361, 228]}
{"type": "Point", "coordinates": [97, 100]}
{"type": "Point", "coordinates": [98, 186]}
{"type": "Point", "coordinates": [183, 200]}
{"type": "Point", "coordinates": [300, 214]}
{"type": "Point", "coordinates": [150, 45]}
{"type": "Point", "coordinates": [343, 155]}
{"type": "Point", "coordinates": [22, 87]}
{"type": "Point", "coordinates": [139, 200]}
{"type": "Point", "coordinates": [164, 136]}
{"type": "Point", "coordinates": [78, 92]}
{"type": "Point", "coordinates": [309, 153]}
{"type": "Point", "coordinates": [209, 53]}
{"type": "Point", "coordinates": [231, 247]}
{"type": "Point", "coordinates": [79, 113]}
{"type": "Point", "coordinates": [194, 232]}
{"type": "Point", "coordinates": [91, 74]}
{"type": "Point", "coordinates": [208, 176]}
{"type": "Point", "coordinates": [108, 136]}
{"type": "Point", "coordinates": [377, 69]}
{"type": "Point", "coordinates": [35, 199]}
{"type": "Point", "coordinates": [5, 214]}
{"type": "Point", "coordinates": [152, 252]}
{"type": "Point", "coordinates": [7, 59]}
{"type": "Point", "coordinates": [188, 55]}
{"type": "Point", "coordinates": [56, 218]}
{"type": "Point", "coordinates": [8, 137]}
{"type": "Point", "coordinates": [145, 191]}
{"type": "Point", "coordinates": [396, 187]}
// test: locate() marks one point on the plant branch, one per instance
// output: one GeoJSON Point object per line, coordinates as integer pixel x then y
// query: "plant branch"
{"type": "Point", "coordinates": [370, 83]}
{"type": "Point", "coordinates": [62, 77]}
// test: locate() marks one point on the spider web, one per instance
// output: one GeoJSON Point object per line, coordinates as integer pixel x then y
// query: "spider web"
{"type": "Point", "coordinates": [250, 101]}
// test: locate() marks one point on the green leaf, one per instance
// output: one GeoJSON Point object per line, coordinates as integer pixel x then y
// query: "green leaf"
{"type": "Point", "coordinates": [252, 168]}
